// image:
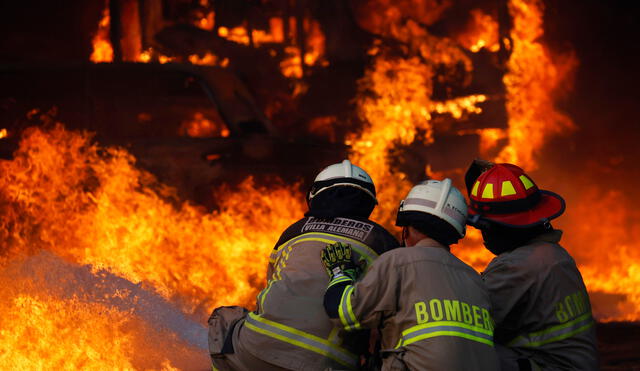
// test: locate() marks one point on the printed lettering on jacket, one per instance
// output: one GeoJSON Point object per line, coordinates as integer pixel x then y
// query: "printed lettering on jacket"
{"type": "Point", "coordinates": [453, 310]}
{"type": "Point", "coordinates": [341, 226]}
{"type": "Point", "coordinates": [571, 306]}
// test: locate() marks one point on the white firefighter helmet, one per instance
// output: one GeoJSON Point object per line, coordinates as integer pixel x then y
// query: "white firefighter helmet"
{"type": "Point", "coordinates": [437, 198]}
{"type": "Point", "coordinates": [343, 174]}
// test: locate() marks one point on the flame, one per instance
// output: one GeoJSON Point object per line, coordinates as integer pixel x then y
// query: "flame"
{"type": "Point", "coordinates": [532, 82]}
{"type": "Point", "coordinates": [4, 133]}
{"type": "Point", "coordinates": [395, 102]}
{"type": "Point", "coordinates": [607, 253]}
{"type": "Point", "coordinates": [48, 322]}
{"type": "Point", "coordinates": [201, 127]}
{"type": "Point", "coordinates": [208, 60]}
{"type": "Point", "coordinates": [102, 50]}
{"type": "Point", "coordinates": [240, 34]}
{"type": "Point", "coordinates": [482, 32]}
{"type": "Point", "coordinates": [292, 61]}
{"type": "Point", "coordinates": [99, 209]}
{"type": "Point", "coordinates": [207, 22]}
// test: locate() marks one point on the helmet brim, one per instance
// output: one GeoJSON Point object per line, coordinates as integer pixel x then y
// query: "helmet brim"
{"type": "Point", "coordinates": [550, 206]}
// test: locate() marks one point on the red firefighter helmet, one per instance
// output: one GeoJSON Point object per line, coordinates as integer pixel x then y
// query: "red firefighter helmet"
{"type": "Point", "coordinates": [504, 194]}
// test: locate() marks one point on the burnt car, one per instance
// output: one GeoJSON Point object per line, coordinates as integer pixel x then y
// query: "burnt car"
{"type": "Point", "coordinates": [192, 126]}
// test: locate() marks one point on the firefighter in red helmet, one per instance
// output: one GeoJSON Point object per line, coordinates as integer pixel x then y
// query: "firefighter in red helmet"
{"type": "Point", "coordinates": [539, 300]}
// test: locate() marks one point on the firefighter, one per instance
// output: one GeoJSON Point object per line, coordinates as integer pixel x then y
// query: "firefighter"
{"type": "Point", "coordinates": [431, 309]}
{"type": "Point", "coordinates": [541, 306]}
{"type": "Point", "coordinates": [289, 328]}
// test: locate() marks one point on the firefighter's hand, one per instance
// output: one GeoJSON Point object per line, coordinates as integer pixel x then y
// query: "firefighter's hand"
{"type": "Point", "coordinates": [337, 260]}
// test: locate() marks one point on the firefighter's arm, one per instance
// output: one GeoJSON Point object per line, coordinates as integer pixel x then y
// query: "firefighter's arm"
{"type": "Point", "coordinates": [342, 271]}
{"type": "Point", "coordinates": [362, 304]}
{"type": "Point", "coordinates": [508, 286]}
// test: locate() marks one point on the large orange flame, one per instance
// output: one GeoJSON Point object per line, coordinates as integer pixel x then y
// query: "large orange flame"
{"type": "Point", "coordinates": [92, 206]}
{"type": "Point", "coordinates": [532, 82]}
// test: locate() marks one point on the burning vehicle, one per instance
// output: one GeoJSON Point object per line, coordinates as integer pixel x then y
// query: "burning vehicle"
{"type": "Point", "coordinates": [108, 259]}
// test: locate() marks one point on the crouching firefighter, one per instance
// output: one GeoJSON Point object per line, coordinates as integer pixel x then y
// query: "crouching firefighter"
{"type": "Point", "coordinates": [541, 306]}
{"type": "Point", "coordinates": [289, 328]}
{"type": "Point", "coordinates": [432, 310]}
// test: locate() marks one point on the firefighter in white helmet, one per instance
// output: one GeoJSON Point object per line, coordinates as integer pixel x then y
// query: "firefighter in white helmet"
{"type": "Point", "coordinates": [289, 328]}
{"type": "Point", "coordinates": [432, 310]}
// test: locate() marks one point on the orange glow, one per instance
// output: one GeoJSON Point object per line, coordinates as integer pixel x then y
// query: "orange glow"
{"type": "Point", "coordinates": [401, 91]}
{"type": "Point", "coordinates": [102, 50]}
{"type": "Point", "coordinates": [207, 22]}
{"type": "Point", "coordinates": [607, 252]}
{"type": "Point", "coordinates": [4, 133]}
{"type": "Point", "coordinates": [145, 56]}
{"type": "Point", "coordinates": [395, 102]}
{"type": "Point", "coordinates": [291, 63]}
{"type": "Point", "coordinates": [531, 83]}
{"type": "Point", "coordinates": [240, 35]}
{"type": "Point", "coordinates": [481, 32]}
{"type": "Point", "coordinates": [58, 315]}
{"type": "Point", "coordinates": [324, 126]}
{"type": "Point", "coordinates": [208, 60]}
{"type": "Point", "coordinates": [489, 139]}
{"type": "Point", "coordinates": [101, 210]}
{"type": "Point", "coordinates": [201, 127]}
{"type": "Point", "coordinates": [457, 107]}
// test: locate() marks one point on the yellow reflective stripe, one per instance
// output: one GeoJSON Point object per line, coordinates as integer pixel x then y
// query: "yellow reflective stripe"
{"type": "Point", "coordinates": [554, 333]}
{"type": "Point", "coordinates": [445, 328]}
{"type": "Point", "coordinates": [300, 339]}
{"type": "Point", "coordinates": [507, 189]}
{"type": "Point", "coordinates": [474, 191]}
{"type": "Point", "coordinates": [334, 336]}
{"type": "Point", "coordinates": [362, 249]}
{"type": "Point", "coordinates": [526, 182]}
{"type": "Point", "coordinates": [263, 294]}
{"type": "Point", "coordinates": [347, 317]}
{"type": "Point", "coordinates": [356, 324]}
{"type": "Point", "coordinates": [488, 191]}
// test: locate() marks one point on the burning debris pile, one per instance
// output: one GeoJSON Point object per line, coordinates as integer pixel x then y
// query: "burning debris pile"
{"type": "Point", "coordinates": [104, 262]}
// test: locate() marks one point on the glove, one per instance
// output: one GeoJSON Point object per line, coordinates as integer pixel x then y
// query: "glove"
{"type": "Point", "coordinates": [336, 259]}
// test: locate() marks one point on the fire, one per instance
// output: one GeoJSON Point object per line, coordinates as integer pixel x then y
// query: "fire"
{"type": "Point", "coordinates": [396, 104]}
{"type": "Point", "coordinates": [240, 34]}
{"type": "Point", "coordinates": [102, 50]}
{"type": "Point", "coordinates": [607, 252]}
{"type": "Point", "coordinates": [91, 205]}
{"type": "Point", "coordinates": [532, 83]}
{"type": "Point", "coordinates": [4, 133]}
{"type": "Point", "coordinates": [482, 32]}
{"type": "Point", "coordinates": [58, 315]}
{"type": "Point", "coordinates": [201, 127]}
{"type": "Point", "coordinates": [208, 60]}
{"type": "Point", "coordinates": [292, 61]}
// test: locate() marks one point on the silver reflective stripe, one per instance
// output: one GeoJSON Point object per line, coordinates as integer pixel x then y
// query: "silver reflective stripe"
{"type": "Point", "coordinates": [555, 333]}
{"type": "Point", "coordinates": [445, 328]}
{"type": "Point", "coordinates": [347, 317]}
{"type": "Point", "coordinates": [300, 339]}
{"type": "Point", "coordinates": [421, 202]}
{"type": "Point", "coordinates": [360, 248]}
